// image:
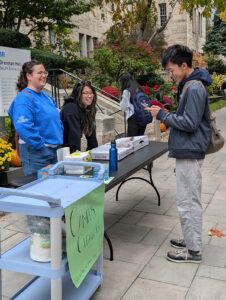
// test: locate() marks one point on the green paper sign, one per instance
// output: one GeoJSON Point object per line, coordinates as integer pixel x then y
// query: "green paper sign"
{"type": "Point", "coordinates": [84, 231]}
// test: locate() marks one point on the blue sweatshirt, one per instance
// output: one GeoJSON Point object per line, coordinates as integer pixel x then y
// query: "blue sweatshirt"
{"type": "Point", "coordinates": [36, 119]}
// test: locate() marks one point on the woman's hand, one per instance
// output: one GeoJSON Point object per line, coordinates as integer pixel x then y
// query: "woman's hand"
{"type": "Point", "coordinates": [154, 109]}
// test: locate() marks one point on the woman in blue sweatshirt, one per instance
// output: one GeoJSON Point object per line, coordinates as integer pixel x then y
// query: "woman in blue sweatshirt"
{"type": "Point", "coordinates": [36, 119]}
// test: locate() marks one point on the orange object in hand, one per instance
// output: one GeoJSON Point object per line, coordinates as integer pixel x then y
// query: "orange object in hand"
{"type": "Point", "coordinates": [162, 127]}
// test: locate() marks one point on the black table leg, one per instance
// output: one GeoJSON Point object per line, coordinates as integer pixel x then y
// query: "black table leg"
{"type": "Point", "coordinates": [150, 181]}
{"type": "Point", "coordinates": [109, 245]}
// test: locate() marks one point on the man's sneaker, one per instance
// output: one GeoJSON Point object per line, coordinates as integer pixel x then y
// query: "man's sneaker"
{"type": "Point", "coordinates": [184, 256]}
{"type": "Point", "coordinates": [178, 243]}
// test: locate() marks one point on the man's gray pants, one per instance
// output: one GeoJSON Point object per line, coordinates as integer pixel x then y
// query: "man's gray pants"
{"type": "Point", "coordinates": [189, 183]}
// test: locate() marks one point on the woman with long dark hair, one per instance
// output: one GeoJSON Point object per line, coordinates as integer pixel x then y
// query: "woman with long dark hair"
{"type": "Point", "coordinates": [36, 119]}
{"type": "Point", "coordinates": [78, 116]}
{"type": "Point", "coordinates": [130, 88]}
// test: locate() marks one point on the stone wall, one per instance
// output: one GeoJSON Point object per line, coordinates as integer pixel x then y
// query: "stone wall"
{"type": "Point", "coordinates": [183, 30]}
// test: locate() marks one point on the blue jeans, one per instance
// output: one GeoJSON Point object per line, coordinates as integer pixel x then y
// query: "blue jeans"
{"type": "Point", "coordinates": [33, 160]}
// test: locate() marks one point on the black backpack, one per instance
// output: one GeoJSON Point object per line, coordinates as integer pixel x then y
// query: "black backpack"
{"type": "Point", "coordinates": [143, 117]}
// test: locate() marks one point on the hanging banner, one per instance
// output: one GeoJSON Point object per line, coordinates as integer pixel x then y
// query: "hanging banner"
{"type": "Point", "coordinates": [11, 61]}
{"type": "Point", "coordinates": [84, 232]}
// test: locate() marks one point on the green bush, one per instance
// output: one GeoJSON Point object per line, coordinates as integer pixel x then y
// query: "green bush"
{"type": "Point", "coordinates": [14, 39]}
{"type": "Point", "coordinates": [150, 79]}
{"type": "Point", "coordinates": [50, 60]}
{"type": "Point", "coordinates": [215, 65]}
{"type": "Point", "coordinates": [78, 64]}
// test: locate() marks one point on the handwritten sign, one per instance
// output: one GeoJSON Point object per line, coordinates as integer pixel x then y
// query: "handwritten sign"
{"type": "Point", "coordinates": [84, 231]}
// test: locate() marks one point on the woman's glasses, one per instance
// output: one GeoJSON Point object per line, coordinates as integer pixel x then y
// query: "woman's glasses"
{"type": "Point", "coordinates": [88, 93]}
{"type": "Point", "coordinates": [45, 73]}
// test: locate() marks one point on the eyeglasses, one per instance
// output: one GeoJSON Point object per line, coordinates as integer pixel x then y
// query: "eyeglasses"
{"type": "Point", "coordinates": [88, 93]}
{"type": "Point", "coordinates": [169, 72]}
{"type": "Point", "coordinates": [45, 73]}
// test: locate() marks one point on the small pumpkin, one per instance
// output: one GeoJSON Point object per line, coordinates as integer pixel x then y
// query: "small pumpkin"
{"type": "Point", "coordinates": [15, 160]}
{"type": "Point", "coordinates": [162, 127]}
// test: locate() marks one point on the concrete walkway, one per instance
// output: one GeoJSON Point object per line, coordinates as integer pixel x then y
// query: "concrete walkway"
{"type": "Point", "coordinates": [140, 232]}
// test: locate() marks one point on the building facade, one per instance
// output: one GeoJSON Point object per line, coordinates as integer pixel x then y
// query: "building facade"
{"type": "Point", "coordinates": [181, 29]}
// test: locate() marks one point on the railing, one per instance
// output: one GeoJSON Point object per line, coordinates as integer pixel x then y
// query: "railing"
{"type": "Point", "coordinates": [57, 84]}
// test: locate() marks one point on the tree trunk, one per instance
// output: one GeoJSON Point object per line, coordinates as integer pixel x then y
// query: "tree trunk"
{"type": "Point", "coordinates": [157, 31]}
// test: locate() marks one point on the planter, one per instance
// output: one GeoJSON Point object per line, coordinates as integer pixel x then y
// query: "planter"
{"type": "Point", "coordinates": [215, 98]}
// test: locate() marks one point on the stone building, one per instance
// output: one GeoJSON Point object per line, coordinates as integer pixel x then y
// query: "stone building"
{"type": "Point", "coordinates": [181, 28]}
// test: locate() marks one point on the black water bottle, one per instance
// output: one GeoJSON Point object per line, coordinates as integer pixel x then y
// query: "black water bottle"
{"type": "Point", "coordinates": [113, 154]}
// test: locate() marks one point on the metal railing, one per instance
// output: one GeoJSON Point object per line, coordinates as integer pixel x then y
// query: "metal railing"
{"type": "Point", "coordinates": [57, 84]}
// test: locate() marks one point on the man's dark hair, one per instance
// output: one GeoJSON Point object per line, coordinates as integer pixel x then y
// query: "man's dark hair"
{"type": "Point", "coordinates": [177, 54]}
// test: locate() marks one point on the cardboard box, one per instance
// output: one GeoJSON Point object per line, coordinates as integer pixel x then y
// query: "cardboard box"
{"type": "Point", "coordinates": [77, 156]}
{"type": "Point", "coordinates": [102, 152]}
{"type": "Point", "coordinates": [135, 142]}
{"type": "Point", "coordinates": [44, 171]}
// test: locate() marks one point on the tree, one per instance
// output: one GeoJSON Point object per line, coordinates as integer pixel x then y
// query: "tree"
{"type": "Point", "coordinates": [122, 55]}
{"type": "Point", "coordinates": [38, 15]}
{"type": "Point", "coordinates": [216, 39]}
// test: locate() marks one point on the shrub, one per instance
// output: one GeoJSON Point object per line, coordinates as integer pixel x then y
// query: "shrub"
{"type": "Point", "coordinates": [150, 79]}
{"type": "Point", "coordinates": [147, 90]}
{"type": "Point", "coordinates": [78, 64]}
{"type": "Point", "coordinates": [215, 65]}
{"type": "Point", "coordinates": [111, 90]}
{"type": "Point", "coordinates": [14, 39]}
{"type": "Point", "coordinates": [49, 59]}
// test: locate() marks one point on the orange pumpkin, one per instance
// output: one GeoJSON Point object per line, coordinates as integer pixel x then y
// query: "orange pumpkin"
{"type": "Point", "coordinates": [15, 161]}
{"type": "Point", "coordinates": [162, 127]}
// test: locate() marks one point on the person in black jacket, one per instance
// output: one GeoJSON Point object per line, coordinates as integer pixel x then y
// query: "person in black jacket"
{"type": "Point", "coordinates": [78, 117]}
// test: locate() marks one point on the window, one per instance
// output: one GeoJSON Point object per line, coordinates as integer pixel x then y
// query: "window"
{"type": "Point", "coordinates": [88, 45]}
{"type": "Point", "coordinates": [194, 20]}
{"type": "Point", "coordinates": [95, 42]}
{"type": "Point", "coordinates": [81, 42]}
{"type": "Point", "coordinates": [162, 13]}
{"type": "Point", "coordinates": [200, 24]}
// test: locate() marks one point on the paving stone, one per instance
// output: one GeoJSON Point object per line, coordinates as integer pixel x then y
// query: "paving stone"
{"type": "Point", "coordinates": [216, 210]}
{"type": "Point", "coordinates": [212, 272]}
{"type": "Point", "coordinates": [209, 187]}
{"type": "Point", "coordinates": [118, 277]}
{"type": "Point", "coordinates": [206, 198]}
{"type": "Point", "coordinates": [160, 269]}
{"type": "Point", "coordinates": [214, 256]}
{"type": "Point", "coordinates": [128, 233]}
{"type": "Point", "coordinates": [147, 205]}
{"type": "Point", "coordinates": [132, 217]}
{"type": "Point", "coordinates": [6, 233]}
{"type": "Point", "coordinates": [158, 221]}
{"type": "Point", "coordinates": [118, 208]}
{"type": "Point", "coordinates": [130, 252]}
{"type": "Point", "coordinates": [148, 289]}
{"type": "Point", "coordinates": [12, 241]}
{"type": "Point", "coordinates": [109, 220]}
{"type": "Point", "coordinates": [206, 289]}
{"type": "Point", "coordinates": [155, 237]}
{"type": "Point", "coordinates": [11, 286]}
{"type": "Point", "coordinates": [172, 211]}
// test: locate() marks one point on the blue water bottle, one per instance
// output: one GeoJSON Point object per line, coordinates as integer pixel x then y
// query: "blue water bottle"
{"type": "Point", "coordinates": [113, 154]}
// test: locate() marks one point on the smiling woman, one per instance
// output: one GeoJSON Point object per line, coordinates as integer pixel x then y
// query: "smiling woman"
{"type": "Point", "coordinates": [78, 116]}
{"type": "Point", "coordinates": [36, 119]}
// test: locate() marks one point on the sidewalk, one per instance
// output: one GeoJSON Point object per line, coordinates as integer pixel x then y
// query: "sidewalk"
{"type": "Point", "coordinates": [140, 232]}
